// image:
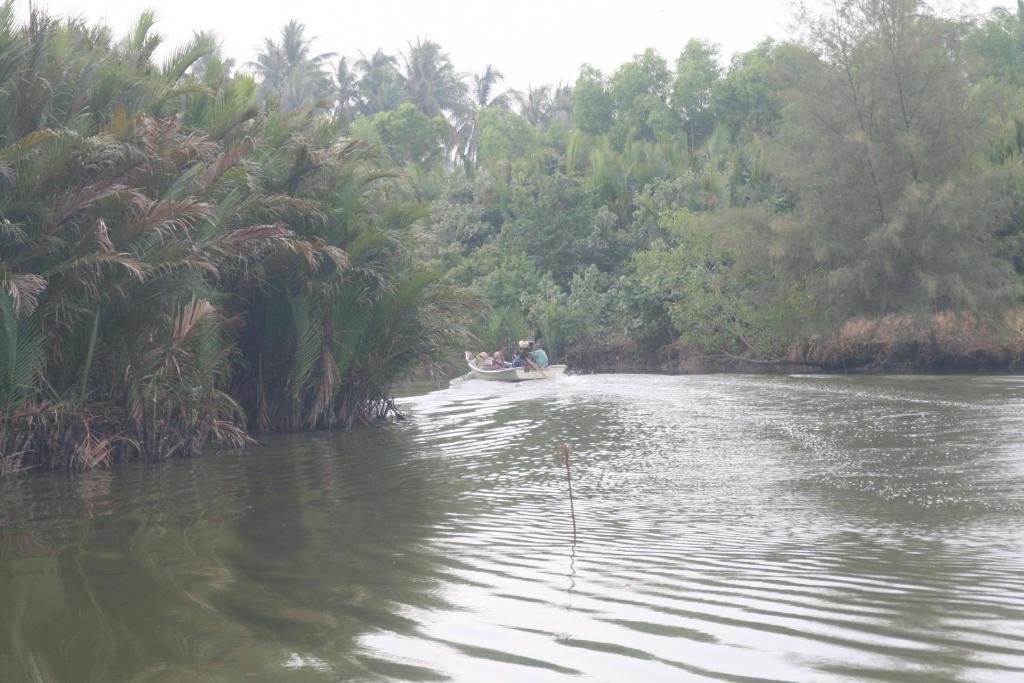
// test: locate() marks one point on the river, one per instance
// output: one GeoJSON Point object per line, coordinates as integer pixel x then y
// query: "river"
{"type": "Point", "coordinates": [730, 528]}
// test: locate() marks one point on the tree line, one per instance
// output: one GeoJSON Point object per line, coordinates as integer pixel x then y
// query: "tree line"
{"type": "Point", "coordinates": [846, 196]}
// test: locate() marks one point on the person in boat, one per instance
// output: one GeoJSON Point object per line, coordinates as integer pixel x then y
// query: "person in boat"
{"type": "Point", "coordinates": [522, 356]}
{"type": "Point", "coordinates": [539, 356]}
{"type": "Point", "coordinates": [526, 357]}
{"type": "Point", "coordinates": [500, 360]}
{"type": "Point", "coordinates": [485, 361]}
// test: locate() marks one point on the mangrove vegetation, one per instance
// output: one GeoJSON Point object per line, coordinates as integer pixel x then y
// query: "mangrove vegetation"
{"type": "Point", "coordinates": [185, 263]}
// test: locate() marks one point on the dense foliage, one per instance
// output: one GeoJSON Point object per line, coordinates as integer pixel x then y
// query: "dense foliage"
{"type": "Point", "coordinates": [871, 168]}
{"type": "Point", "coordinates": [195, 251]}
{"type": "Point", "coordinates": [182, 263]}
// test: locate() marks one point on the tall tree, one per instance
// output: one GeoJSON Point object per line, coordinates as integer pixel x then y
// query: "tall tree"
{"type": "Point", "coordinates": [749, 96]}
{"type": "Point", "coordinates": [380, 85]}
{"type": "Point", "coordinates": [877, 147]}
{"type": "Point", "coordinates": [545, 104]}
{"type": "Point", "coordinates": [697, 71]}
{"type": "Point", "coordinates": [482, 96]}
{"type": "Point", "coordinates": [995, 48]}
{"type": "Point", "coordinates": [410, 136]}
{"type": "Point", "coordinates": [534, 104]}
{"type": "Point", "coordinates": [483, 86]}
{"type": "Point", "coordinates": [431, 80]}
{"type": "Point", "coordinates": [291, 73]}
{"type": "Point", "coordinates": [592, 105]}
{"type": "Point", "coordinates": [346, 91]}
{"type": "Point", "coordinates": [639, 89]}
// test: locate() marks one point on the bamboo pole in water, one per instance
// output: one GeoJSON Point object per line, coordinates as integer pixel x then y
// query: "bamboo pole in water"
{"type": "Point", "coordinates": [566, 458]}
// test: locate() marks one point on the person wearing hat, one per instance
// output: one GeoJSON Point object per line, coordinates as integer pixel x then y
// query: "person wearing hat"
{"type": "Point", "coordinates": [522, 355]}
{"type": "Point", "coordinates": [528, 358]}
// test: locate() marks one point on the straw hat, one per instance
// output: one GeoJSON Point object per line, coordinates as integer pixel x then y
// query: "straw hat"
{"type": "Point", "coordinates": [524, 344]}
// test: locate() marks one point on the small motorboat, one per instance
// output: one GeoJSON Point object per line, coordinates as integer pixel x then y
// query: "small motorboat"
{"type": "Point", "coordinates": [512, 374]}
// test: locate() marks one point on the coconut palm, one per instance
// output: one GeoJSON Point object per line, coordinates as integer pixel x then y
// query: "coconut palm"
{"type": "Point", "coordinates": [560, 109]}
{"type": "Point", "coordinates": [482, 96]}
{"type": "Point", "coordinates": [290, 72]}
{"type": "Point", "coordinates": [483, 87]}
{"type": "Point", "coordinates": [346, 90]}
{"type": "Point", "coordinates": [380, 84]}
{"type": "Point", "coordinates": [545, 104]}
{"type": "Point", "coordinates": [431, 80]}
{"type": "Point", "coordinates": [534, 104]}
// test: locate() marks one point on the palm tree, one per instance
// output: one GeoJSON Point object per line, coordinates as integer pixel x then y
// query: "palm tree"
{"type": "Point", "coordinates": [53, 73]}
{"type": "Point", "coordinates": [159, 240]}
{"type": "Point", "coordinates": [482, 96]}
{"type": "Point", "coordinates": [346, 91]}
{"type": "Point", "coordinates": [482, 90]}
{"type": "Point", "coordinates": [431, 80]}
{"type": "Point", "coordinates": [534, 104]}
{"type": "Point", "coordinates": [212, 59]}
{"type": "Point", "coordinates": [380, 85]}
{"type": "Point", "coordinates": [545, 104]}
{"type": "Point", "coordinates": [560, 109]}
{"type": "Point", "coordinates": [291, 73]}
{"type": "Point", "coordinates": [141, 42]}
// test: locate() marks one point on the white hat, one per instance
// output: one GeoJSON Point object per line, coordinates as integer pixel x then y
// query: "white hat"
{"type": "Point", "coordinates": [524, 344]}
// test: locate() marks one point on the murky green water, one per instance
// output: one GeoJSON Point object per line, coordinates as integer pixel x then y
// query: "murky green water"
{"type": "Point", "coordinates": [730, 529]}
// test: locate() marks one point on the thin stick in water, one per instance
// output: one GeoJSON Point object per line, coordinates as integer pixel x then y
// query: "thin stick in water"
{"type": "Point", "coordinates": [566, 458]}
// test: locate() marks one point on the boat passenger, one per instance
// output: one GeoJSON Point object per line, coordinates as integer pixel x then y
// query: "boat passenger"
{"type": "Point", "coordinates": [539, 356]}
{"type": "Point", "coordinates": [522, 356]}
{"type": "Point", "coordinates": [499, 359]}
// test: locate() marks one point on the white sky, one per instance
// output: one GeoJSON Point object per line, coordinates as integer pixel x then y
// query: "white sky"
{"type": "Point", "coordinates": [531, 41]}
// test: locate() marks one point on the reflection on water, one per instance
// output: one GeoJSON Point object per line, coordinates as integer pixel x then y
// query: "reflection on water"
{"type": "Point", "coordinates": [730, 529]}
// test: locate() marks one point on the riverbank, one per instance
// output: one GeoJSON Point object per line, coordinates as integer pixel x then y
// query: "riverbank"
{"type": "Point", "coordinates": [680, 361]}
{"type": "Point", "coordinates": [626, 358]}
{"type": "Point", "coordinates": [889, 345]}
{"type": "Point", "coordinates": [943, 343]}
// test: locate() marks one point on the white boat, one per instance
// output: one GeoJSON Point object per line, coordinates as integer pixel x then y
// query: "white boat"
{"type": "Point", "coordinates": [513, 374]}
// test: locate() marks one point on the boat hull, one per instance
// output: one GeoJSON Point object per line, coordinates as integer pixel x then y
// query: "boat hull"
{"type": "Point", "coordinates": [516, 374]}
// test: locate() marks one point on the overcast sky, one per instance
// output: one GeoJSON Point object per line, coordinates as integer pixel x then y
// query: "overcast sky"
{"type": "Point", "coordinates": [531, 41]}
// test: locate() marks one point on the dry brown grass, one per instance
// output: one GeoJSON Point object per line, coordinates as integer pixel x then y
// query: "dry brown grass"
{"type": "Point", "coordinates": [945, 340]}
